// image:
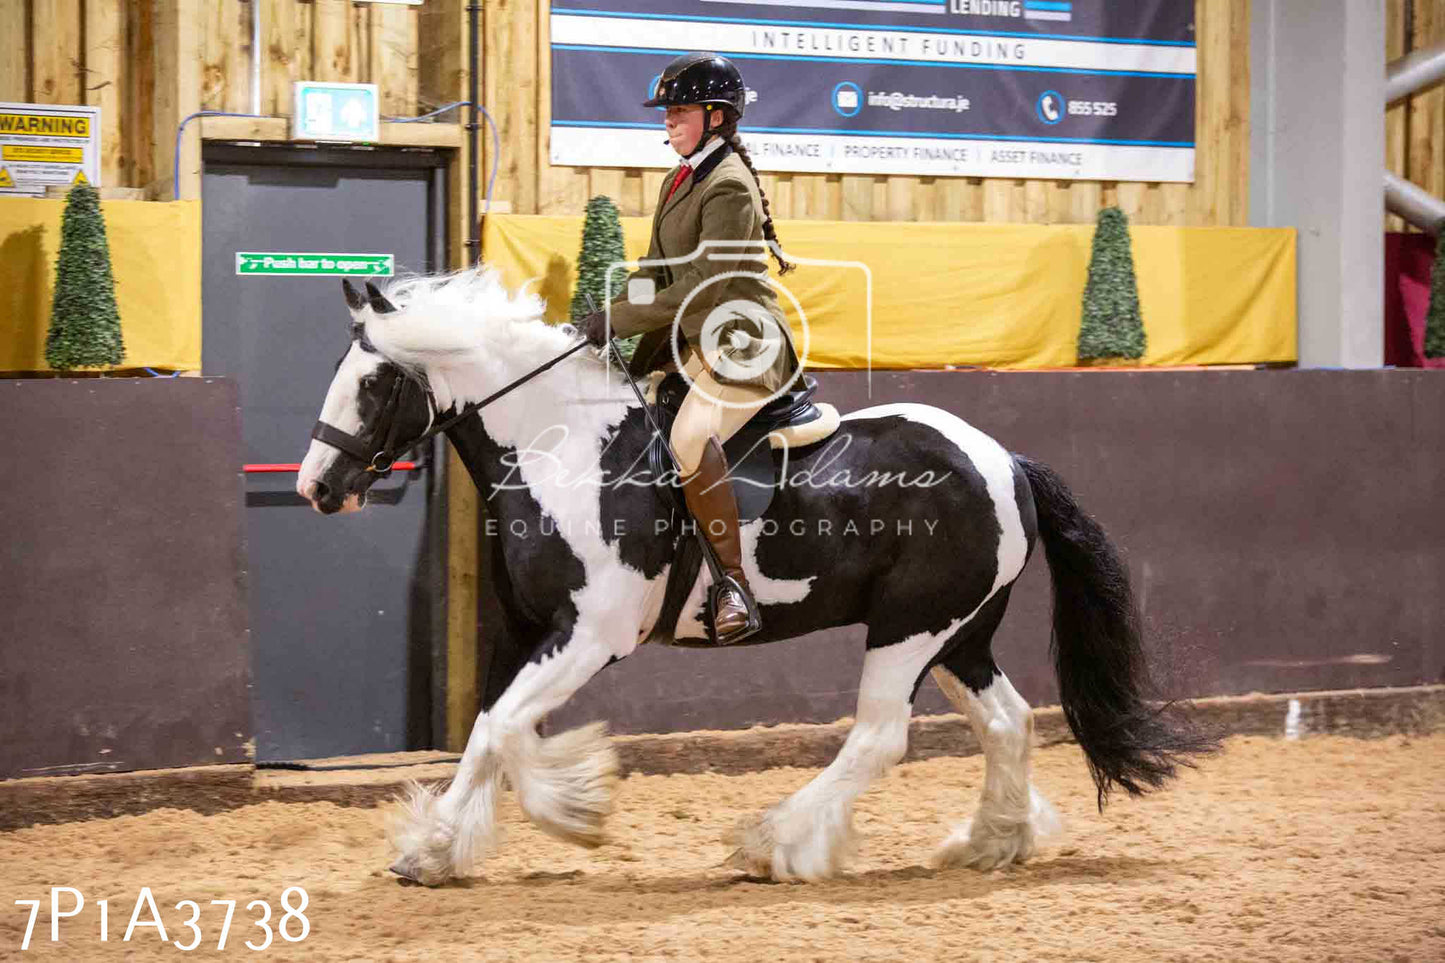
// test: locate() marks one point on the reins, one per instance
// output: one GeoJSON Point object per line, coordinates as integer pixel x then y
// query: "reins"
{"type": "Point", "coordinates": [381, 461]}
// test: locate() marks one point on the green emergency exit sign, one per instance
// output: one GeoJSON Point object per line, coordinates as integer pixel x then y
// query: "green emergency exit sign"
{"type": "Point", "coordinates": [336, 112]}
{"type": "Point", "coordinates": [271, 264]}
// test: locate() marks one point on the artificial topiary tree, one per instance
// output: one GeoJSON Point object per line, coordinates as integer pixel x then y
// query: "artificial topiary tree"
{"type": "Point", "coordinates": [602, 246]}
{"type": "Point", "coordinates": [84, 319]}
{"type": "Point", "coordinates": [1112, 326]}
{"type": "Point", "coordinates": [1435, 319]}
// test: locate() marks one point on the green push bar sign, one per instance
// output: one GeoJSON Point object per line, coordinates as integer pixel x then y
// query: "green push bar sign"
{"type": "Point", "coordinates": [272, 264]}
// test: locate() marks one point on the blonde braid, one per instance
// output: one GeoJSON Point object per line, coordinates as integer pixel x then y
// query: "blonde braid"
{"type": "Point", "coordinates": [769, 232]}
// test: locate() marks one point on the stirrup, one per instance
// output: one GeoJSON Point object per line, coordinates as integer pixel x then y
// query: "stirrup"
{"type": "Point", "coordinates": [709, 613]}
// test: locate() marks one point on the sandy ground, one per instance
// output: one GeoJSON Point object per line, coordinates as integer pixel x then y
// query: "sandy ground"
{"type": "Point", "coordinates": [1325, 849]}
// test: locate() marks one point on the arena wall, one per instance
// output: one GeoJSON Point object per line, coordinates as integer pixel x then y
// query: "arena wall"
{"type": "Point", "coordinates": [1283, 531]}
{"type": "Point", "coordinates": [123, 637]}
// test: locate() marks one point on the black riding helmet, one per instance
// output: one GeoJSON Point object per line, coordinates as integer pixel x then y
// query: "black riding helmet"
{"type": "Point", "coordinates": [700, 78]}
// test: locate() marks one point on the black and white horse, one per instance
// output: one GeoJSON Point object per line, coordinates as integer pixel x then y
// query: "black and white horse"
{"type": "Point", "coordinates": [908, 520]}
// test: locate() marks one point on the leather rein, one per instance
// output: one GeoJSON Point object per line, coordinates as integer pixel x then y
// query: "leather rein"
{"type": "Point", "coordinates": [379, 447]}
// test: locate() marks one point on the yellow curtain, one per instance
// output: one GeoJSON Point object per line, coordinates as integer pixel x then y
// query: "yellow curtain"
{"type": "Point", "coordinates": [155, 252]}
{"type": "Point", "coordinates": [996, 295]}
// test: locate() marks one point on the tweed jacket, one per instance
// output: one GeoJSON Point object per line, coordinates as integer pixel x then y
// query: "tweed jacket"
{"type": "Point", "coordinates": [720, 201]}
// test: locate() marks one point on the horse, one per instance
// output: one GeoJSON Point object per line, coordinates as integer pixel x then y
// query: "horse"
{"type": "Point", "coordinates": [908, 520]}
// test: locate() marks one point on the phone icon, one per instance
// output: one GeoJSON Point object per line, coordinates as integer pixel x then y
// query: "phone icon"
{"type": "Point", "coordinates": [1050, 107]}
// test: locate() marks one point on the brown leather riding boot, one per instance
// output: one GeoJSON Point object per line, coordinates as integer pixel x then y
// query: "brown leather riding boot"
{"type": "Point", "coordinates": [710, 499]}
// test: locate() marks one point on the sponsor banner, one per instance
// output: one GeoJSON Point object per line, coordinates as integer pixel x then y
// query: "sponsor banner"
{"type": "Point", "coordinates": [973, 88]}
{"type": "Point", "coordinates": [43, 145]}
{"type": "Point", "coordinates": [927, 157]}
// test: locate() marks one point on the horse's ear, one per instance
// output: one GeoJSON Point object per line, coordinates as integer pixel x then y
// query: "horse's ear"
{"type": "Point", "coordinates": [354, 300]}
{"type": "Point", "coordinates": [379, 303]}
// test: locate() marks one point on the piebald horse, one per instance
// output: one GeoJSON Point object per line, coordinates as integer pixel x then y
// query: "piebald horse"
{"type": "Point", "coordinates": [908, 520]}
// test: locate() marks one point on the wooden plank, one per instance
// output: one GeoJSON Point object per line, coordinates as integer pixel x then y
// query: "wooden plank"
{"type": "Point", "coordinates": [959, 199]}
{"type": "Point", "coordinates": [608, 182]}
{"type": "Point", "coordinates": [998, 200]}
{"type": "Point", "coordinates": [392, 63]}
{"type": "Point", "coordinates": [857, 197]}
{"type": "Point", "coordinates": [105, 65]}
{"type": "Point", "coordinates": [1427, 127]}
{"type": "Point", "coordinates": [780, 195]}
{"type": "Point", "coordinates": [1212, 37]}
{"type": "Point", "coordinates": [1085, 200]}
{"type": "Point", "coordinates": [463, 589]}
{"type": "Point", "coordinates": [1036, 201]}
{"type": "Point", "coordinates": [287, 37]}
{"type": "Point", "coordinates": [56, 50]}
{"type": "Point", "coordinates": [226, 56]}
{"type": "Point", "coordinates": [510, 39]}
{"type": "Point", "coordinates": [177, 69]}
{"type": "Point", "coordinates": [1174, 205]}
{"type": "Point", "coordinates": [832, 197]}
{"type": "Point", "coordinates": [561, 189]}
{"type": "Point", "coordinates": [331, 38]}
{"type": "Point", "coordinates": [1235, 205]}
{"type": "Point", "coordinates": [1060, 202]}
{"type": "Point", "coordinates": [1395, 116]}
{"type": "Point", "coordinates": [245, 128]}
{"type": "Point", "coordinates": [16, 64]}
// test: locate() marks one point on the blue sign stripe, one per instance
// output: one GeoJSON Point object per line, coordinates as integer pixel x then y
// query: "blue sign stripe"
{"type": "Point", "coordinates": [756, 21]}
{"type": "Point", "coordinates": [1047, 5]}
{"type": "Point", "coordinates": [840, 132]}
{"type": "Point", "coordinates": [1019, 68]}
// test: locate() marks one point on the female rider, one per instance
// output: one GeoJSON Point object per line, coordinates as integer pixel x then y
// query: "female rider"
{"type": "Point", "coordinates": [718, 311]}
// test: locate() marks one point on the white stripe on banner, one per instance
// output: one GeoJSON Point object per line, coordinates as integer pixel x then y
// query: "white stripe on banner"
{"type": "Point", "coordinates": [852, 154]}
{"type": "Point", "coordinates": [848, 43]}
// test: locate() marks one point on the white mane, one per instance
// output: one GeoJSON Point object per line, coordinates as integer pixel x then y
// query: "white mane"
{"type": "Point", "coordinates": [466, 335]}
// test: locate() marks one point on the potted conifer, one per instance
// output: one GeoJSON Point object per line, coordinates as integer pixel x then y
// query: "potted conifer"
{"type": "Point", "coordinates": [602, 246]}
{"type": "Point", "coordinates": [84, 319]}
{"type": "Point", "coordinates": [1112, 328]}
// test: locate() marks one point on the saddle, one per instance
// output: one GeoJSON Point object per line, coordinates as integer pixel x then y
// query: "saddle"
{"type": "Point", "coordinates": [792, 420]}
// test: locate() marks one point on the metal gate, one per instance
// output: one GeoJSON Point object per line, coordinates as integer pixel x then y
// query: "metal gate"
{"type": "Point", "coordinates": [346, 610]}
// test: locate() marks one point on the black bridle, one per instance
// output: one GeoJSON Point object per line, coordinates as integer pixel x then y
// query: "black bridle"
{"type": "Point", "coordinates": [379, 447]}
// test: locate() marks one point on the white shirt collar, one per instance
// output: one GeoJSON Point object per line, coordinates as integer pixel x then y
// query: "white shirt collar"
{"type": "Point", "coordinates": [697, 156]}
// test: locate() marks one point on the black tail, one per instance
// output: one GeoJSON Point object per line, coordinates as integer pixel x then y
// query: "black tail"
{"type": "Point", "coordinates": [1098, 655]}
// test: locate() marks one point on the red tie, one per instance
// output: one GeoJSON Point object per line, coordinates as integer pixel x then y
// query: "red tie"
{"type": "Point", "coordinates": [682, 173]}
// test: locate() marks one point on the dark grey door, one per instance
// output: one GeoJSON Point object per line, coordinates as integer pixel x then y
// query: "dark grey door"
{"type": "Point", "coordinates": [343, 609]}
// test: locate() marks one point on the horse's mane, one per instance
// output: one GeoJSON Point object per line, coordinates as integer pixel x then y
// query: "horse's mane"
{"type": "Point", "coordinates": [442, 317]}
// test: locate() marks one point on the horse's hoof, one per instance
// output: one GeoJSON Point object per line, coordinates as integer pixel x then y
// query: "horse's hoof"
{"type": "Point", "coordinates": [402, 871]}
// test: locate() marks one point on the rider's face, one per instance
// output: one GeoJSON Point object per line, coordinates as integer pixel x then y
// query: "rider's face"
{"type": "Point", "coordinates": [684, 126]}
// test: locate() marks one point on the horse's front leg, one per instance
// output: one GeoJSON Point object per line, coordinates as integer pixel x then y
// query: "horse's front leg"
{"type": "Point", "coordinates": [565, 784]}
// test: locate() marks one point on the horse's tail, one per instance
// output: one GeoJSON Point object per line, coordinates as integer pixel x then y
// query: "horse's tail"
{"type": "Point", "coordinates": [1098, 654]}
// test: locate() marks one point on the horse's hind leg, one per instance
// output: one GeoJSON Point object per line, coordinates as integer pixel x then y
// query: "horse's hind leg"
{"type": "Point", "coordinates": [809, 835]}
{"type": "Point", "coordinates": [1013, 817]}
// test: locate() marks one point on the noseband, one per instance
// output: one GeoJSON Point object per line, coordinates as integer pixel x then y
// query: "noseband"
{"type": "Point", "coordinates": [379, 447]}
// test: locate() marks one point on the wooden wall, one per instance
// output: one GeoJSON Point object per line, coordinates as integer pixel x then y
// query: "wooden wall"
{"type": "Point", "coordinates": [149, 63]}
{"type": "Point", "coordinates": [1415, 127]}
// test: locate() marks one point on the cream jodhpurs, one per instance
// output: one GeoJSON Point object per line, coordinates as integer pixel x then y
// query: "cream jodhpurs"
{"type": "Point", "coordinates": [701, 416]}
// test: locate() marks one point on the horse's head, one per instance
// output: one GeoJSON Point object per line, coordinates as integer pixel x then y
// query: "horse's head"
{"type": "Point", "coordinates": [374, 410]}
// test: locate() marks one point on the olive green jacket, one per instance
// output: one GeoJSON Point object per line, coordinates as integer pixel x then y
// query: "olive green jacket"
{"type": "Point", "coordinates": [719, 202]}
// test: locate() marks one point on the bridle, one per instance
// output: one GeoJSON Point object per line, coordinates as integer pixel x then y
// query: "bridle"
{"type": "Point", "coordinates": [379, 447]}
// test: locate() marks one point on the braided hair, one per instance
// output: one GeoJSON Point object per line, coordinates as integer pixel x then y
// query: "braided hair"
{"type": "Point", "coordinates": [728, 130]}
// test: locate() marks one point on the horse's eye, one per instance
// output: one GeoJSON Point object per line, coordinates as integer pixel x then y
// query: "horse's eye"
{"type": "Point", "coordinates": [368, 382]}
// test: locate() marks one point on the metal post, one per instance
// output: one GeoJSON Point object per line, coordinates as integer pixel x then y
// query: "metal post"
{"type": "Point", "coordinates": [256, 57]}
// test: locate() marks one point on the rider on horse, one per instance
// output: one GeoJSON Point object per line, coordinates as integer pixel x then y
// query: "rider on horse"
{"type": "Point", "coordinates": [723, 326]}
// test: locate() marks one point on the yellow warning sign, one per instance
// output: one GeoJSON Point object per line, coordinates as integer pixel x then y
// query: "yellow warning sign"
{"type": "Point", "coordinates": [5, 179]}
{"type": "Point", "coordinates": [27, 152]}
{"type": "Point", "coordinates": [47, 125]}
{"type": "Point", "coordinates": [79, 178]}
